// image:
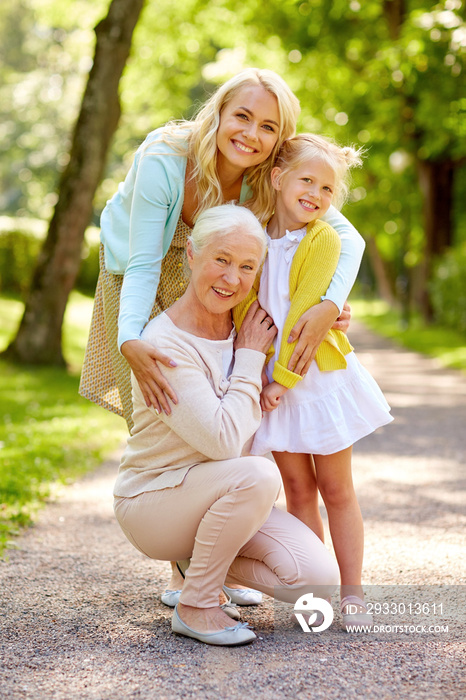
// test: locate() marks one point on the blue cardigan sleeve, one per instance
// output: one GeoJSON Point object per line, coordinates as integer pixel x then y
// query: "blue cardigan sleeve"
{"type": "Point", "coordinates": [157, 199]}
{"type": "Point", "coordinates": [352, 249]}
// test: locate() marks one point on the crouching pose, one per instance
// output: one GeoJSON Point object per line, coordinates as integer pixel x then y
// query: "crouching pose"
{"type": "Point", "coordinates": [187, 487]}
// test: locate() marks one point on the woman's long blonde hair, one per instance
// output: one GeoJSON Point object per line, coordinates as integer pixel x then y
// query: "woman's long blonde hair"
{"type": "Point", "coordinates": [201, 136]}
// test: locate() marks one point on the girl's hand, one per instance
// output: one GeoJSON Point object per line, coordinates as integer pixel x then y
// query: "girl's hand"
{"type": "Point", "coordinates": [271, 395]}
{"type": "Point", "coordinates": [310, 331]}
{"type": "Point", "coordinates": [264, 378]}
{"type": "Point", "coordinates": [143, 358]}
{"type": "Point", "coordinates": [343, 321]}
{"type": "Point", "coordinates": [257, 330]}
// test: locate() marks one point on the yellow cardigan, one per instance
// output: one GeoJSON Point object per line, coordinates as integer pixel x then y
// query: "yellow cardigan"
{"type": "Point", "coordinates": [312, 269]}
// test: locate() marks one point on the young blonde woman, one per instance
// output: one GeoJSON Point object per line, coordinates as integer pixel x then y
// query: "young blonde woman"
{"type": "Point", "coordinates": [226, 153]}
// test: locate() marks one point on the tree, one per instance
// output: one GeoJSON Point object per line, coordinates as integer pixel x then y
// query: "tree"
{"type": "Point", "coordinates": [390, 74]}
{"type": "Point", "coordinates": [38, 340]}
{"type": "Point", "coordinates": [387, 74]}
{"type": "Point", "coordinates": [430, 53]}
{"type": "Point", "coordinates": [44, 66]}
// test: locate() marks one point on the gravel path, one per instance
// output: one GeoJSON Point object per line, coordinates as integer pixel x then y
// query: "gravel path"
{"type": "Point", "coordinates": [80, 611]}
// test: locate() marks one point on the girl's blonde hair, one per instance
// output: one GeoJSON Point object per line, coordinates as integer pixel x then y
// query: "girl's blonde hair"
{"type": "Point", "coordinates": [305, 147]}
{"type": "Point", "coordinates": [223, 220]}
{"type": "Point", "coordinates": [201, 135]}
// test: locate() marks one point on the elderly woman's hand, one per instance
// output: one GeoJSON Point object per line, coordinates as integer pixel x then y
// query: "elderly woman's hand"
{"type": "Point", "coordinates": [143, 358]}
{"type": "Point", "coordinates": [257, 331]}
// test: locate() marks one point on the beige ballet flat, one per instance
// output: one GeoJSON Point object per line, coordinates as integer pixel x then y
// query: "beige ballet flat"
{"type": "Point", "coordinates": [355, 615]}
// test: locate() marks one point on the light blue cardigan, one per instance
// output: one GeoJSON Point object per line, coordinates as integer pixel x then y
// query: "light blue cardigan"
{"type": "Point", "coordinates": [138, 224]}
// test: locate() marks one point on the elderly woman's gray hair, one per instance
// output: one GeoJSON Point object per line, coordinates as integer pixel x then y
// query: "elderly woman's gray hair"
{"type": "Point", "coordinates": [223, 220]}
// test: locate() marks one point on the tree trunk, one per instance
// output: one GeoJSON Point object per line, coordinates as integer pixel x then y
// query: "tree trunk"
{"type": "Point", "coordinates": [394, 11]}
{"type": "Point", "coordinates": [382, 278]}
{"type": "Point", "coordinates": [38, 340]}
{"type": "Point", "coordinates": [436, 183]}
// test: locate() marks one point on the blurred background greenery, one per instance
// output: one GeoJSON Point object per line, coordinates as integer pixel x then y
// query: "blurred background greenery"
{"type": "Point", "coordinates": [388, 75]}
{"type": "Point", "coordinates": [385, 74]}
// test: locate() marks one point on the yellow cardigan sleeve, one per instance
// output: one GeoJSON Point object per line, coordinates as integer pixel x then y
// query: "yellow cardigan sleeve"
{"type": "Point", "coordinates": [312, 269]}
{"type": "Point", "coordinates": [241, 309]}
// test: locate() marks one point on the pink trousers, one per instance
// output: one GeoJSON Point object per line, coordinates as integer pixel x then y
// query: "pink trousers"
{"type": "Point", "coordinates": [223, 517]}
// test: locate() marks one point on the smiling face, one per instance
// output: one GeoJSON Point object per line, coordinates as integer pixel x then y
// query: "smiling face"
{"type": "Point", "coordinates": [304, 193]}
{"type": "Point", "coordinates": [248, 129]}
{"type": "Point", "coordinates": [224, 270]}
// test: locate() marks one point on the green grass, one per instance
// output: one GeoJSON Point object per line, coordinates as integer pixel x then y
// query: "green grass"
{"type": "Point", "coordinates": [446, 344]}
{"type": "Point", "coordinates": [49, 435]}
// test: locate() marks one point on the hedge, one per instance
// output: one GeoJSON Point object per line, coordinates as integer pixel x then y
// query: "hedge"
{"type": "Point", "coordinates": [448, 288]}
{"type": "Point", "coordinates": [20, 243]}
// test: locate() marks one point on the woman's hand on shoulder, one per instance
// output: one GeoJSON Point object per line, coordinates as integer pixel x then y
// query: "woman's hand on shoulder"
{"type": "Point", "coordinates": [257, 331]}
{"type": "Point", "coordinates": [143, 357]}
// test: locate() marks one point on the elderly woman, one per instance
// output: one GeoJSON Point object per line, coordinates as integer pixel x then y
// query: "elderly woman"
{"type": "Point", "coordinates": [187, 488]}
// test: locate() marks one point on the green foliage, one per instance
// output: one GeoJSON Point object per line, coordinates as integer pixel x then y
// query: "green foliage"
{"type": "Point", "coordinates": [48, 434]}
{"type": "Point", "coordinates": [46, 50]}
{"type": "Point", "coordinates": [20, 243]}
{"type": "Point", "coordinates": [445, 344]}
{"type": "Point", "coordinates": [397, 88]}
{"type": "Point", "coordinates": [18, 251]}
{"type": "Point", "coordinates": [448, 289]}
{"type": "Point", "coordinates": [89, 270]}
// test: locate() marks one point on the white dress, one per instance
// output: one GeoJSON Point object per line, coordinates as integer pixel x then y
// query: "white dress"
{"type": "Point", "coordinates": [326, 411]}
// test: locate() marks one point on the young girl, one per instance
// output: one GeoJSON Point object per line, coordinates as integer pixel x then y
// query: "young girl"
{"type": "Point", "coordinates": [310, 422]}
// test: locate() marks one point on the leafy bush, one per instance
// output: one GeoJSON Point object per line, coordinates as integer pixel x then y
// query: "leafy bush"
{"type": "Point", "coordinates": [89, 271]}
{"type": "Point", "coordinates": [20, 243]}
{"type": "Point", "coordinates": [17, 253]}
{"type": "Point", "coordinates": [448, 289]}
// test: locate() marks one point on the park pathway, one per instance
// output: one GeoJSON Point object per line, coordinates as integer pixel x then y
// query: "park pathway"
{"type": "Point", "coordinates": [80, 613]}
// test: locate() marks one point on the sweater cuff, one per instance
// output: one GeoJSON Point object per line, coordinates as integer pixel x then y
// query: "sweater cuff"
{"type": "Point", "coordinates": [250, 362]}
{"type": "Point", "coordinates": [333, 298]}
{"type": "Point", "coordinates": [284, 376]}
{"type": "Point", "coordinates": [123, 337]}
